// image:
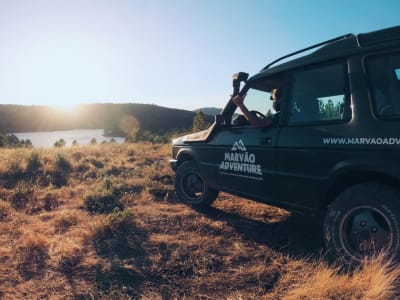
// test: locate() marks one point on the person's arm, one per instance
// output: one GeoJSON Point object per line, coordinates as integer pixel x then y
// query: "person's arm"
{"type": "Point", "coordinates": [253, 120]}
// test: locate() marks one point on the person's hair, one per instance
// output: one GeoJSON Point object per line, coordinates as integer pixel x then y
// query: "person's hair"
{"type": "Point", "coordinates": [276, 92]}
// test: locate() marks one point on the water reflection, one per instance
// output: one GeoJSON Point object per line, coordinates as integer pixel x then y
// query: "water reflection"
{"type": "Point", "coordinates": [45, 139]}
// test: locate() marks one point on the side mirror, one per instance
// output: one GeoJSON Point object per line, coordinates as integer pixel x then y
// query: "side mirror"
{"type": "Point", "coordinates": [237, 79]}
{"type": "Point", "coordinates": [241, 76]}
{"type": "Point", "coordinates": [219, 119]}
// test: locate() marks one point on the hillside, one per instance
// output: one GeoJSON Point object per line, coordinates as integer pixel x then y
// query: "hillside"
{"type": "Point", "coordinates": [209, 111]}
{"type": "Point", "coordinates": [103, 222]}
{"type": "Point", "coordinates": [115, 117]}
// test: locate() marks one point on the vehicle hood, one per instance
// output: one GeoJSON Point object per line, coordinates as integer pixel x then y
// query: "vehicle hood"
{"type": "Point", "coordinates": [193, 137]}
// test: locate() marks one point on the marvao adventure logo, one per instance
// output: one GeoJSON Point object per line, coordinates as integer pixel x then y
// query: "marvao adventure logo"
{"type": "Point", "coordinates": [239, 162]}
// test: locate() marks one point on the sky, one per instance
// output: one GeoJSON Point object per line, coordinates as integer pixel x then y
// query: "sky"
{"type": "Point", "coordinates": [172, 53]}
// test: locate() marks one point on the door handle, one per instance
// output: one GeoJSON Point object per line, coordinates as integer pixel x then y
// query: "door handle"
{"type": "Point", "coordinates": [266, 140]}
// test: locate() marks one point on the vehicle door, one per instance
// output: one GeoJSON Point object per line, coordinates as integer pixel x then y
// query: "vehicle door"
{"type": "Point", "coordinates": [318, 108]}
{"type": "Point", "coordinates": [247, 155]}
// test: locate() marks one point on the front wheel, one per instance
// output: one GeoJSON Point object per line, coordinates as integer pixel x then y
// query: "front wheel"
{"type": "Point", "coordinates": [191, 187]}
{"type": "Point", "coordinates": [364, 221]}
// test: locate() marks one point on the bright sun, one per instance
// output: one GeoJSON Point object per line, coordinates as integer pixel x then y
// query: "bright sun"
{"type": "Point", "coordinates": [65, 106]}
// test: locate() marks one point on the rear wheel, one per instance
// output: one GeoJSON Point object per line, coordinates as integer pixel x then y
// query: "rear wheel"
{"type": "Point", "coordinates": [191, 187]}
{"type": "Point", "coordinates": [364, 221]}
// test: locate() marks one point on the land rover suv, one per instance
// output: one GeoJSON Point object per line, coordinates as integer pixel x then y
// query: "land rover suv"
{"type": "Point", "coordinates": [334, 152]}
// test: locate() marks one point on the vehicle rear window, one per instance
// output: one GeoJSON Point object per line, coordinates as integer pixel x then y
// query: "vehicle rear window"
{"type": "Point", "coordinates": [384, 75]}
{"type": "Point", "coordinates": [318, 94]}
{"type": "Point", "coordinates": [397, 72]}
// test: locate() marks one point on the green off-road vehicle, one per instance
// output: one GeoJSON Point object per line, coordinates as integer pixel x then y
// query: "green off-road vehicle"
{"type": "Point", "coordinates": [335, 151]}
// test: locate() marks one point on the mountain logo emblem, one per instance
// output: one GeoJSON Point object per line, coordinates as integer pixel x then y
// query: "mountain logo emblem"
{"type": "Point", "coordinates": [238, 145]}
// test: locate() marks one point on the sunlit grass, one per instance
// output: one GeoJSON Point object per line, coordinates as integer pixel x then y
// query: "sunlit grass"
{"type": "Point", "coordinates": [114, 229]}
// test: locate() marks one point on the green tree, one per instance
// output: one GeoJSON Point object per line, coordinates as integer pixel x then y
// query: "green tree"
{"type": "Point", "coordinates": [60, 143]}
{"type": "Point", "coordinates": [34, 163]}
{"type": "Point", "coordinates": [13, 140]}
{"type": "Point", "coordinates": [3, 140]}
{"type": "Point", "coordinates": [28, 143]}
{"type": "Point", "coordinates": [199, 122]}
{"type": "Point", "coordinates": [329, 110]}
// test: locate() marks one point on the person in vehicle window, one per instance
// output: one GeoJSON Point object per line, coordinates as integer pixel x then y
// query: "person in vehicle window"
{"type": "Point", "coordinates": [252, 118]}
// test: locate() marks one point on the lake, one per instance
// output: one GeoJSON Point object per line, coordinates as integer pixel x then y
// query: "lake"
{"type": "Point", "coordinates": [45, 139]}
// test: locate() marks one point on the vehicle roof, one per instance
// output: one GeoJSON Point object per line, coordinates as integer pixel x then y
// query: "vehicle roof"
{"type": "Point", "coordinates": [344, 46]}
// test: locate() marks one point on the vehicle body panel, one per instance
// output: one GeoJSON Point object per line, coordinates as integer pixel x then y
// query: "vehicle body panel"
{"type": "Point", "coordinates": [302, 166]}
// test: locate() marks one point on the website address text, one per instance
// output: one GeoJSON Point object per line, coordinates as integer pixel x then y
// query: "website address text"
{"type": "Point", "coordinates": [361, 141]}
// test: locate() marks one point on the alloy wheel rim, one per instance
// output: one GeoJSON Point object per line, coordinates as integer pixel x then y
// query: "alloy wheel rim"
{"type": "Point", "coordinates": [365, 231]}
{"type": "Point", "coordinates": [193, 186]}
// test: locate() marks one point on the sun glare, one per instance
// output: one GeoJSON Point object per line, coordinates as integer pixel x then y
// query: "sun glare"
{"type": "Point", "coordinates": [67, 107]}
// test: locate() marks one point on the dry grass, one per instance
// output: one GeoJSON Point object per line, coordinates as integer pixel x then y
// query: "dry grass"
{"type": "Point", "coordinates": [140, 242]}
{"type": "Point", "coordinates": [32, 254]}
{"type": "Point", "coordinates": [302, 279]}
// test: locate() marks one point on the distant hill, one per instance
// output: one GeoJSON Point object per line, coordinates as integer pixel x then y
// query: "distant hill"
{"type": "Point", "coordinates": [112, 117]}
{"type": "Point", "coordinates": [209, 111]}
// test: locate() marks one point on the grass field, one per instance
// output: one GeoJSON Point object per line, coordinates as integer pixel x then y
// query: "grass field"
{"type": "Point", "coordinates": [103, 222]}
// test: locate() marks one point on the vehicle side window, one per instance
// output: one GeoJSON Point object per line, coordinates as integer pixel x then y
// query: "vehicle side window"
{"type": "Point", "coordinates": [384, 75]}
{"type": "Point", "coordinates": [256, 101]}
{"type": "Point", "coordinates": [318, 95]}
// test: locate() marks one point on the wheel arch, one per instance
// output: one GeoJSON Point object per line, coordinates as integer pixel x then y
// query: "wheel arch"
{"type": "Point", "coordinates": [347, 179]}
{"type": "Point", "coordinates": [184, 155]}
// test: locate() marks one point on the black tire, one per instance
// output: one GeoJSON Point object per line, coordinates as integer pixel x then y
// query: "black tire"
{"type": "Point", "coordinates": [364, 221]}
{"type": "Point", "coordinates": [191, 187]}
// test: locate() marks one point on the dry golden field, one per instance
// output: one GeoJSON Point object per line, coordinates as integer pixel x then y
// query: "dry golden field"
{"type": "Point", "coordinates": [103, 222]}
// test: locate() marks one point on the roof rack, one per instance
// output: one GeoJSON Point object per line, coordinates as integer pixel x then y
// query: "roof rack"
{"type": "Point", "coordinates": [346, 36]}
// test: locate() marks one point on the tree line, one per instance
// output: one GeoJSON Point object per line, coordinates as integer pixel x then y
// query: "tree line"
{"type": "Point", "coordinates": [12, 141]}
{"type": "Point", "coordinates": [111, 117]}
{"type": "Point", "coordinates": [128, 126]}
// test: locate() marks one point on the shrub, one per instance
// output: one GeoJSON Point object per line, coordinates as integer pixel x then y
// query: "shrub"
{"type": "Point", "coordinates": [112, 234]}
{"type": "Point", "coordinates": [15, 171]}
{"type": "Point", "coordinates": [124, 189]}
{"type": "Point", "coordinates": [98, 164]}
{"type": "Point", "coordinates": [116, 171]}
{"type": "Point", "coordinates": [131, 152]}
{"type": "Point", "coordinates": [22, 196]}
{"type": "Point", "coordinates": [28, 143]}
{"type": "Point", "coordinates": [159, 189]}
{"type": "Point", "coordinates": [62, 168]}
{"type": "Point", "coordinates": [102, 203]}
{"type": "Point", "coordinates": [108, 183]}
{"type": "Point", "coordinates": [50, 202]}
{"type": "Point", "coordinates": [71, 255]}
{"type": "Point", "coordinates": [62, 163]}
{"type": "Point", "coordinates": [59, 178]}
{"type": "Point", "coordinates": [118, 223]}
{"type": "Point", "coordinates": [32, 255]}
{"type": "Point", "coordinates": [77, 156]}
{"type": "Point", "coordinates": [64, 221]}
{"type": "Point", "coordinates": [34, 164]}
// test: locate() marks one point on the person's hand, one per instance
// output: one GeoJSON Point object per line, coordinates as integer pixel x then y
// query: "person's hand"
{"type": "Point", "coordinates": [238, 100]}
